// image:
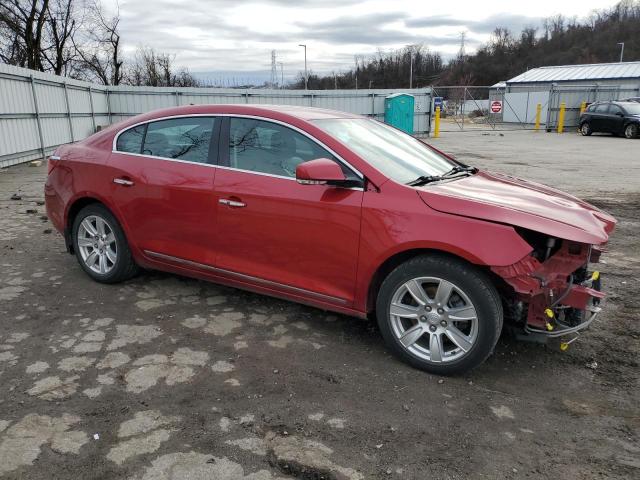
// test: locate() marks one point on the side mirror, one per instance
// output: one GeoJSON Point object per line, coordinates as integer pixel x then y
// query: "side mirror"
{"type": "Point", "coordinates": [321, 171]}
{"type": "Point", "coordinates": [620, 114]}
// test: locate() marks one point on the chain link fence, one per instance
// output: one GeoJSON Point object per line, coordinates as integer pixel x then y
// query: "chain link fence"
{"type": "Point", "coordinates": [484, 108]}
{"type": "Point", "coordinates": [504, 107]}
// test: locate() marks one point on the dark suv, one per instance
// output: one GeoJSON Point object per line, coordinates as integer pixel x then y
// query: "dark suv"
{"type": "Point", "coordinates": [619, 118]}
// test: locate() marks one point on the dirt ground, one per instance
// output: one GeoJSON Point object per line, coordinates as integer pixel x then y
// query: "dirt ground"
{"type": "Point", "coordinates": [170, 378]}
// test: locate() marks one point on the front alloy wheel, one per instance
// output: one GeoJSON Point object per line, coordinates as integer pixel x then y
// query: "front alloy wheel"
{"type": "Point", "coordinates": [439, 313]}
{"type": "Point", "coordinates": [631, 130]}
{"type": "Point", "coordinates": [434, 319]}
{"type": "Point", "coordinates": [585, 129]}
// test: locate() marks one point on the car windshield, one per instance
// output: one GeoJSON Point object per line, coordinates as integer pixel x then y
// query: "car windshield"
{"type": "Point", "coordinates": [632, 109]}
{"type": "Point", "coordinates": [395, 154]}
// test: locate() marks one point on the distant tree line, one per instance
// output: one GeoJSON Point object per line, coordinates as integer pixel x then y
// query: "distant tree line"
{"type": "Point", "coordinates": [561, 41]}
{"type": "Point", "coordinates": [79, 39]}
{"type": "Point", "coordinates": [384, 70]}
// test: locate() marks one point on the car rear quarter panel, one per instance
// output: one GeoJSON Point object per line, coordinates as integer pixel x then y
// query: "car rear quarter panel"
{"type": "Point", "coordinates": [81, 173]}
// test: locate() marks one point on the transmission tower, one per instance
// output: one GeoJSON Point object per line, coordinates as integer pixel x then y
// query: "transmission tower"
{"type": "Point", "coordinates": [463, 36]}
{"type": "Point", "coordinates": [274, 70]}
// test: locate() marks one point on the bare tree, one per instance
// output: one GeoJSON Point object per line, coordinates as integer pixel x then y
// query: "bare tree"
{"type": "Point", "coordinates": [22, 27]}
{"type": "Point", "coordinates": [154, 69]}
{"type": "Point", "coordinates": [61, 25]}
{"type": "Point", "coordinates": [100, 49]}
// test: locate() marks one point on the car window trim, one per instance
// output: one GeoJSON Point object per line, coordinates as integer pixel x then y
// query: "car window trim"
{"type": "Point", "coordinates": [221, 138]}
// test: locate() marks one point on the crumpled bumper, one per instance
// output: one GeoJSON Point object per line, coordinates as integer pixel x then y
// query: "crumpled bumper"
{"type": "Point", "coordinates": [562, 297]}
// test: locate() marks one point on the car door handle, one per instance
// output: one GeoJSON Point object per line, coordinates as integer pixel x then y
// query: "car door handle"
{"type": "Point", "coordinates": [123, 181]}
{"type": "Point", "coordinates": [232, 203]}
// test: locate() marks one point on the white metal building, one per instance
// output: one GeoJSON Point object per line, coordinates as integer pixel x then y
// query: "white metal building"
{"type": "Point", "coordinates": [568, 84]}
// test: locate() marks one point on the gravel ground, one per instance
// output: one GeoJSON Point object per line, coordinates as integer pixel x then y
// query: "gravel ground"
{"type": "Point", "coordinates": [169, 378]}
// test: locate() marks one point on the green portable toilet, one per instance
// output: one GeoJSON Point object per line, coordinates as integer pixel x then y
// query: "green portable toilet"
{"type": "Point", "coordinates": [398, 111]}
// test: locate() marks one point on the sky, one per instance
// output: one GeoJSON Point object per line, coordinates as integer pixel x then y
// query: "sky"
{"type": "Point", "coordinates": [232, 40]}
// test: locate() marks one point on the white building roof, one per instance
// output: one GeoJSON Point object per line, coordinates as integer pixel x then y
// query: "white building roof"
{"type": "Point", "coordinates": [567, 73]}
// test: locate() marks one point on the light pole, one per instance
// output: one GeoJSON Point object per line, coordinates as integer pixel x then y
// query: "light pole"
{"type": "Point", "coordinates": [621, 50]}
{"type": "Point", "coordinates": [281, 74]}
{"type": "Point", "coordinates": [306, 78]}
{"type": "Point", "coordinates": [410, 70]}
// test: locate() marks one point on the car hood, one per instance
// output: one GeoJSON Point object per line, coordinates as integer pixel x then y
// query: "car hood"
{"type": "Point", "coordinates": [505, 199]}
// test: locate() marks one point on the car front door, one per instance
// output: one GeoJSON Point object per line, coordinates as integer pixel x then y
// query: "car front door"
{"type": "Point", "coordinates": [163, 175]}
{"type": "Point", "coordinates": [301, 239]}
{"type": "Point", "coordinates": [599, 118]}
{"type": "Point", "coordinates": [616, 119]}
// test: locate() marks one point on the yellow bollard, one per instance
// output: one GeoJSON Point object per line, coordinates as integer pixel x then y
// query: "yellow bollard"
{"type": "Point", "coordinates": [583, 107]}
{"type": "Point", "coordinates": [538, 113]}
{"type": "Point", "coordinates": [561, 117]}
{"type": "Point", "coordinates": [436, 130]}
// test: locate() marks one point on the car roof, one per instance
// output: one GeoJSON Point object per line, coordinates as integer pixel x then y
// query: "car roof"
{"type": "Point", "coordinates": [290, 114]}
{"type": "Point", "coordinates": [616, 102]}
{"type": "Point", "coordinates": [300, 112]}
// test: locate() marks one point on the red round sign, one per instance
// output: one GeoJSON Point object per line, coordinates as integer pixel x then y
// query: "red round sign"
{"type": "Point", "coordinates": [496, 106]}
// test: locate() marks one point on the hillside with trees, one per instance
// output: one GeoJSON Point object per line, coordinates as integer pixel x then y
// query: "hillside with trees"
{"type": "Point", "coordinates": [561, 41]}
{"type": "Point", "coordinates": [79, 39]}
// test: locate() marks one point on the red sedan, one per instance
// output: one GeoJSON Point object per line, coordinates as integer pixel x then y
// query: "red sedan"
{"type": "Point", "coordinates": [336, 211]}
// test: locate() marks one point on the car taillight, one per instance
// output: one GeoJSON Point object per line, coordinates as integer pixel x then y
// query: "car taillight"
{"type": "Point", "coordinates": [52, 162]}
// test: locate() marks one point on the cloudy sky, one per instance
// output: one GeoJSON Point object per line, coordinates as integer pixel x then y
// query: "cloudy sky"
{"type": "Point", "coordinates": [234, 39]}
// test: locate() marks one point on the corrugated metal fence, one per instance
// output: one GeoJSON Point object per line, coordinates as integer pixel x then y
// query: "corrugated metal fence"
{"type": "Point", "coordinates": [39, 111]}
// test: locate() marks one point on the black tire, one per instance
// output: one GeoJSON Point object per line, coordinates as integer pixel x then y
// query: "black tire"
{"type": "Point", "coordinates": [124, 267]}
{"type": "Point", "coordinates": [585, 129]}
{"type": "Point", "coordinates": [474, 283]}
{"type": "Point", "coordinates": [631, 130]}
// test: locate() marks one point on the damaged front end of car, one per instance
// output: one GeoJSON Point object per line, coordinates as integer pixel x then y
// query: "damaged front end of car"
{"type": "Point", "coordinates": [553, 292]}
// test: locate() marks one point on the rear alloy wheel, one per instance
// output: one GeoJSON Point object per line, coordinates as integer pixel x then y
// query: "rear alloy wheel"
{"type": "Point", "coordinates": [439, 314]}
{"type": "Point", "coordinates": [585, 129]}
{"type": "Point", "coordinates": [631, 130]}
{"type": "Point", "coordinates": [100, 245]}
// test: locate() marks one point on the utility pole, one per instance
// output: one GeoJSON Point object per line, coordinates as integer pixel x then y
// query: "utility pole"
{"type": "Point", "coordinates": [621, 50]}
{"type": "Point", "coordinates": [281, 74]}
{"type": "Point", "coordinates": [335, 81]}
{"type": "Point", "coordinates": [306, 77]}
{"type": "Point", "coordinates": [274, 71]}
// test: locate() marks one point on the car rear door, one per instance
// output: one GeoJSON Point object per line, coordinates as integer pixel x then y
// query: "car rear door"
{"type": "Point", "coordinates": [163, 174]}
{"type": "Point", "coordinates": [273, 231]}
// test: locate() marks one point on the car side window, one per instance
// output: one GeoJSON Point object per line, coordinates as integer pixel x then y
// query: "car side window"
{"type": "Point", "coordinates": [185, 139]}
{"type": "Point", "coordinates": [130, 141]}
{"type": "Point", "coordinates": [602, 108]}
{"type": "Point", "coordinates": [267, 147]}
{"type": "Point", "coordinates": [614, 109]}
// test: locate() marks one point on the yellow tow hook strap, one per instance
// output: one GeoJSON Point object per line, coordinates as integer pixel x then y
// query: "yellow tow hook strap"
{"type": "Point", "coordinates": [549, 313]}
